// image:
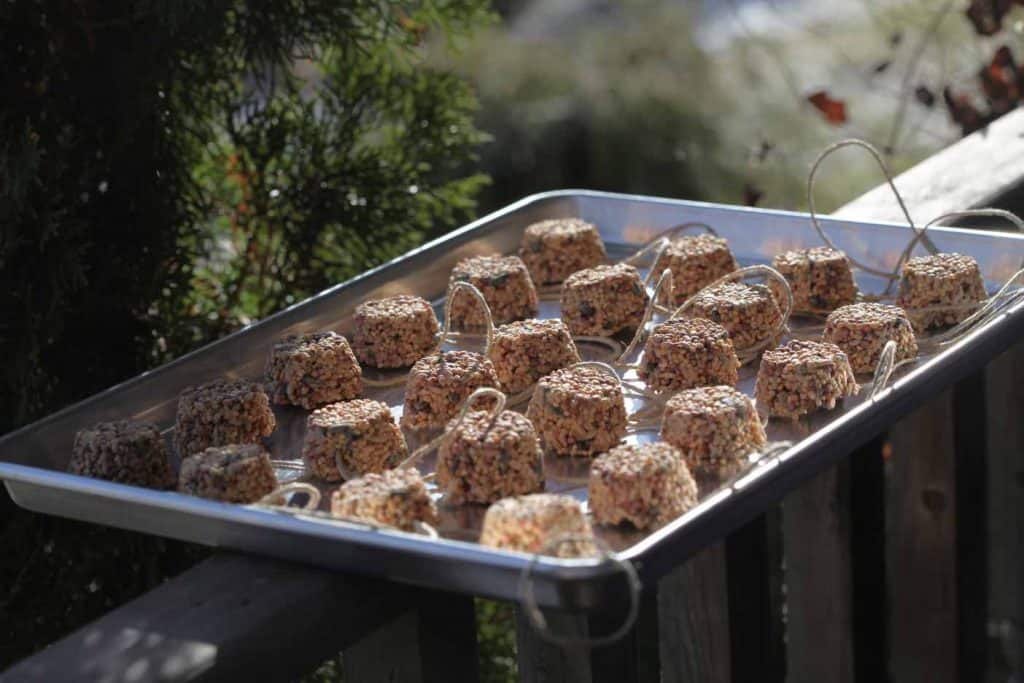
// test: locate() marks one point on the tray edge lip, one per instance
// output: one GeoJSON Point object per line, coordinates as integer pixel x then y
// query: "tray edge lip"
{"type": "Point", "coordinates": [553, 568]}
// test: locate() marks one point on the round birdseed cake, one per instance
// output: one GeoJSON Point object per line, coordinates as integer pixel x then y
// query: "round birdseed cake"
{"type": "Point", "coordinates": [361, 434]}
{"type": "Point", "coordinates": [397, 498]}
{"type": "Point", "coordinates": [646, 485]}
{"type": "Point", "coordinates": [715, 428]}
{"type": "Point", "coordinates": [578, 411]}
{"type": "Point", "coordinates": [603, 300]}
{"type": "Point", "coordinates": [695, 261]}
{"type": "Point", "coordinates": [311, 370]}
{"type": "Point", "coordinates": [862, 330]}
{"type": "Point", "coordinates": [440, 382]}
{"type": "Point", "coordinates": [555, 249]}
{"type": "Point", "coordinates": [749, 313]}
{"type": "Point", "coordinates": [505, 284]}
{"type": "Point", "coordinates": [952, 280]}
{"type": "Point", "coordinates": [682, 353]}
{"type": "Point", "coordinates": [394, 332]}
{"type": "Point", "coordinates": [220, 413]}
{"type": "Point", "coordinates": [803, 376]}
{"type": "Point", "coordinates": [238, 473]}
{"type": "Point", "coordinates": [820, 278]}
{"type": "Point", "coordinates": [488, 458]}
{"type": "Point", "coordinates": [522, 352]}
{"type": "Point", "coordinates": [126, 452]}
{"type": "Point", "coordinates": [544, 523]}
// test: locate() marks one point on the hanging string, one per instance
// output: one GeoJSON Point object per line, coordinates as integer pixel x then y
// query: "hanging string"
{"type": "Point", "coordinates": [884, 368]}
{"type": "Point", "coordinates": [281, 497]}
{"type": "Point", "coordinates": [656, 245]}
{"type": "Point", "coordinates": [828, 151]}
{"type": "Point", "coordinates": [449, 432]}
{"type": "Point", "coordinates": [307, 512]}
{"type": "Point", "coordinates": [967, 213]}
{"type": "Point", "coordinates": [998, 302]}
{"type": "Point", "coordinates": [446, 334]}
{"type": "Point", "coordinates": [665, 282]}
{"type": "Point", "coordinates": [528, 601]}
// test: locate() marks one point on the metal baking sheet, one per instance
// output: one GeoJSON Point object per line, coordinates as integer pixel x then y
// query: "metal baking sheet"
{"type": "Point", "coordinates": [33, 459]}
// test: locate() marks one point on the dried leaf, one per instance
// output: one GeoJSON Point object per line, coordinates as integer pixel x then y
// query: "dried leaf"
{"type": "Point", "coordinates": [1000, 81]}
{"type": "Point", "coordinates": [834, 111]}
{"type": "Point", "coordinates": [963, 112]}
{"type": "Point", "coordinates": [987, 15]}
{"type": "Point", "coordinates": [925, 96]}
{"type": "Point", "coordinates": [751, 194]}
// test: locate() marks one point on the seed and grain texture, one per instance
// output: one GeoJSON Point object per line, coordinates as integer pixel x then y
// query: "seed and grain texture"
{"type": "Point", "coordinates": [646, 485]}
{"type": "Point", "coordinates": [803, 376]}
{"type": "Point", "coordinates": [488, 457]}
{"type": "Point", "coordinates": [394, 332]}
{"type": "Point", "coordinates": [220, 413]}
{"type": "Point", "coordinates": [125, 452]}
{"type": "Point", "coordinates": [683, 353]}
{"type": "Point", "coordinates": [862, 330]}
{"type": "Point", "coordinates": [695, 261]}
{"type": "Point", "coordinates": [312, 370]}
{"type": "Point", "coordinates": [397, 498]}
{"type": "Point", "coordinates": [578, 411]}
{"type": "Point", "coordinates": [749, 313]}
{"type": "Point", "coordinates": [239, 473]}
{"type": "Point", "coordinates": [545, 523]}
{"type": "Point", "coordinates": [555, 249]}
{"type": "Point", "coordinates": [505, 284]}
{"type": "Point", "coordinates": [953, 281]}
{"type": "Point", "coordinates": [715, 428]}
{"type": "Point", "coordinates": [820, 278]}
{"type": "Point", "coordinates": [524, 351]}
{"type": "Point", "coordinates": [440, 382]}
{"type": "Point", "coordinates": [603, 300]}
{"type": "Point", "coordinates": [361, 434]}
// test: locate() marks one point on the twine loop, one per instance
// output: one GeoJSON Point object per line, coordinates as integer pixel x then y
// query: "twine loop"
{"type": "Point", "coordinates": [528, 601]}
{"type": "Point", "coordinates": [439, 440]}
{"type": "Point", "coordinates": [467, 287]}
{"type": "Point", "coordinates": [884, 368]}
{"type": "Point", "coordinates": [281, 497]}
{"type": "Point", "coordinates": [751, 352]}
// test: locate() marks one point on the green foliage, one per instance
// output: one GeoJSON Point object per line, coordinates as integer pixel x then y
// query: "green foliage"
{"type": "Point", "coordinates": [171, 171]}
{"type": "Point", "coordinates": [496, 637]}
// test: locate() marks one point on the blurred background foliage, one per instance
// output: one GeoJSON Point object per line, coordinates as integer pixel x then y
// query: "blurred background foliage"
{"type": "Point", "coordinates": [170, 172]}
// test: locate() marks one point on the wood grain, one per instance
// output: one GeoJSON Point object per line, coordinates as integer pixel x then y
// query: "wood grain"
{"type": "Point", "coordinates": [816, 521]}
{"type": "Point", "coordinates": [921, 552]}
{"type": "Point", "coordinates": [693, 620]}
{"type": "Point", "coordinates": [231, 617]}
{"type": "Point", "coordinates": [1004, 385]}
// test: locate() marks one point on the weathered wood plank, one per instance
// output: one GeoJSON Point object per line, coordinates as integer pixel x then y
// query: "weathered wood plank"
{"type": "Point", "coordinates": [819, 566]}
{"type": "Point", "coordinates": [693, 611]}
{"type": "Point", "coordinates": [970, 474]}
{"type": "Point", "coordinates": [543, 662]}
{"type": "Point", "coordinates": [436, 641]}
{"type": "Point", "coordinates": [754, 572]}
{"type": "Point", "coordinates": [223, 620]}
{"type": "Point", "coordinates": [921, 553]}
{"type": "Point", "coordinates": [632, 659]}
{"type": "Point", "coordinates": [984, 169]}
{"type": "Point", "coordinates": [390, 653]}
{"type": "Point", "coordinates": [865, 482]}
{"type": "Point", "coordinates": [976, 171]}
{"type": "Point", "coordinates": [1004, 385]}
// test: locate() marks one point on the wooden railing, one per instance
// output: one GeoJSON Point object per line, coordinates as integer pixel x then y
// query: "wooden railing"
{"type": "Point", "coordinates": [903, 563]}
